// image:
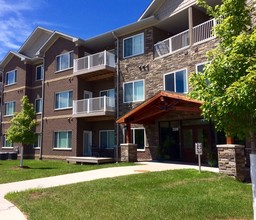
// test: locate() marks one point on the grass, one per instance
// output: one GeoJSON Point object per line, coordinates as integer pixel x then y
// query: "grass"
{"type": "Point", "coordinates": [10, 172]}
{"type": "Point", "coordinates": [177, 194]}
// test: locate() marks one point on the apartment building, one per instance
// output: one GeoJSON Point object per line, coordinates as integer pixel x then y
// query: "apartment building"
{"type": "Point", "coordinates": [125, 86]}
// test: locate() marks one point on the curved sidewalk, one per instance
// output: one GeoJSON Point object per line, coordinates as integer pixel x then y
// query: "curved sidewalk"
{"type": "Point", "coordinates": [10, 212]}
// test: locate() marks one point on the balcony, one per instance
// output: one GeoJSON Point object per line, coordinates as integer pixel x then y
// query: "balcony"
{"type": "Point", "coordinates": [100, 106]}
{"type": "Point", "coordinates": [96, 66]}
{"type": "Point", "coordinates": [200, 33]}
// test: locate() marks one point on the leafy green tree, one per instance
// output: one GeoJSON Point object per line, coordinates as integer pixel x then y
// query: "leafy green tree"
{"type": "Point", "coordinates": [228, 85]}
{"type": "Point", "coordinates": [22, 126]}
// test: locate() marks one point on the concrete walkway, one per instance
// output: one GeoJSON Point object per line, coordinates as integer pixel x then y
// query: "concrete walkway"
{"type": "Point", "coordinates": [10, 212]}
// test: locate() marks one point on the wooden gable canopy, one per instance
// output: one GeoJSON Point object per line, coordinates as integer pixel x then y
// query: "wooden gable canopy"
{"type": "Point", "coordinates": [158, 105]}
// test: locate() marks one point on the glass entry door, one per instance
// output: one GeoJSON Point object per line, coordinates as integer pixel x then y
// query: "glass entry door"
{"type": "Point", "coordinates": [87, 142]}
{"type": "Point", "coordinates": [192, 135]}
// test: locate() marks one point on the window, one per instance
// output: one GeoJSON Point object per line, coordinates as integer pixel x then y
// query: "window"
{"type": "Point", "coordinates": [176, 81]}
{"type": "Point", "coordinates": [62, 139]}
{"type": "Point", "coordinates": [200, 67]}
{"type": "Point", "coordinates": [107, 139]}
{"type": "Point", "coordinates": [133, 45]}
{"type": "Point", "coordinates": [6, 143]}
{"type": "Point", "coordinates": [64, 61]}
{"type": "Point", "coordinates": [138, 137]}
{"type": "Point", "coordinates": [10, 77]}
{"type": "Point", "coordinates": [134, 91]}
{"type": "Point", "coordinates": [38, 105]}
{"type": "Point", "coordinates": [39, 72]}
{"type": "Point", "coordinates": [9, 108]}
{"type": "Point", "coordinates": [63, 100]}
{"type": "Point", "coordinates": [37, 143]}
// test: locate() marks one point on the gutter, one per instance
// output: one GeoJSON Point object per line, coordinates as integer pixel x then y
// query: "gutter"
{"type": "Point", "coordinates": [42, 113]}
{"type": "Point", "coordinates": [117, 93]}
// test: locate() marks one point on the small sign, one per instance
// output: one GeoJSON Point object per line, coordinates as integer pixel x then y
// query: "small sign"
{"type": "Point", "coordinates": [199, 148]}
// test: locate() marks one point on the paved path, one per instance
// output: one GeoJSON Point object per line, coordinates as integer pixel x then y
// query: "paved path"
{"type": "Point", "coordinates": [10, 212]}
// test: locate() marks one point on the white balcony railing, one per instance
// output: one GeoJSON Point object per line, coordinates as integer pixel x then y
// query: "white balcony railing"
{"type": "Point", "coordinates": [103, 58]}
{"type": "Point", "coordinates": [94, 105]}
{"type": "Point", "coordinates": [202, 32]}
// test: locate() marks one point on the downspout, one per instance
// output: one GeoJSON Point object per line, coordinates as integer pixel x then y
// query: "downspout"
{"type": "Point", "coordinates": [2, 103]}
{"type": "Point", "coordinates": [42, 113]}
{"type": "Point", "coordinates": [117, 94]}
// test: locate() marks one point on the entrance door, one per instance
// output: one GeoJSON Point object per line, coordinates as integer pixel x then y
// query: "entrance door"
{"type": "Point", "coordinates": [192, 135]}
{"type": "Point", "coordinates": [169, 148]}
{"type": "Point", "coordinates": [87, 142]}
{"type": "Point", "coordinates": [87, 104]}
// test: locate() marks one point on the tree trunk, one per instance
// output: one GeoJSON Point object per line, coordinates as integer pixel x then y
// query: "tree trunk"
{"type": "Point", "coordinates": [21, 155]}
{"type": "Point", "coordinates": [253, 169]}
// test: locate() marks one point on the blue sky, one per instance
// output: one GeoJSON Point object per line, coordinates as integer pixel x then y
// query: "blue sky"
{"type": "Point", "coordinates": [79, 18]}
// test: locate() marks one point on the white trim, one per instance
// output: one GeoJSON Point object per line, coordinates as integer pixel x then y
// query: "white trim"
{"type": "Point", "coordinates": [106, 90]}
{"type": "Point", "coordinates": [88, 93]}
{"type": "Point", "coordinates": [15, 80]}
{"type": "Point", "coordinates": [143, 37]}
{"type": "Point", "coordinates": [174, 72]}
{"type": "Point", "coordinates": [200, 64]}
{"type": "Point", "coordinates": [66, 91]}
{"type": "Point", "coordinates": [133, 137]}
{"type": "Point", "coordinates": [7, 147]}
{"type": "Point", "coordinates": [36, 148]}
{"type": "Point", "coordinates": [62, 148]}
{"type": "Point", "coordinates": [42, 72]}
{"type": "Point", "coordinates": [13, 109]}
{"type": "Point", "coordinates": [144, 91]}
{"type": "Point", "coordinates": [40, 112]}
{"type": "Point", "coordinates": [69, 61]}
{"type": "Point", "coordinates": [100, 131]}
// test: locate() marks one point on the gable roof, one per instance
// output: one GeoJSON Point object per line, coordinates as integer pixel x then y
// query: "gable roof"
{"type": "Point", "coordinates": [158, 105]}
{"type": "Point", "coordinates": [36, 39]}
{"type": "Point", "coordinates": [10, 55]}
{"type": "Point", "coordinates": [54, 36]}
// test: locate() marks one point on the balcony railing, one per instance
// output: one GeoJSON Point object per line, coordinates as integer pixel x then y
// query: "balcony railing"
{"type": "Point", "coordinates": [94, 106]}
{"type": "Point", "coordinates": [202, 32]}
{"type": "Point", "coordinates": [103, 58]}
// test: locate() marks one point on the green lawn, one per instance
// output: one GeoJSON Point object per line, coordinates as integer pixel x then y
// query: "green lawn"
{"type": "Point", "coordinates": [10, 172]}
{"type": "Point", "coordinates": [178, 194]}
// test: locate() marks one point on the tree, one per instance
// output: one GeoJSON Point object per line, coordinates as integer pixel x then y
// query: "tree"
{"type": "Point", "coordinates": [22, 126]}
{"type": "Point", "coordinates": [228, 85]}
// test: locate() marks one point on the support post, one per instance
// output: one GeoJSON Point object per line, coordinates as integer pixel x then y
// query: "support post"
{"type": "Point", "coordinates": [128, 133]}
{"type": "Point", "coordinates": [190, 23]}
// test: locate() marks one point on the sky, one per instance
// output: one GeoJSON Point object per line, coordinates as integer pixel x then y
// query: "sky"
{"type": "Point", "coordinates": [79, 18]}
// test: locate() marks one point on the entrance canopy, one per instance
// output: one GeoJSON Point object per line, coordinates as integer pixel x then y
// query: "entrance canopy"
{"type": "Point", "coordinates": [160, 104]}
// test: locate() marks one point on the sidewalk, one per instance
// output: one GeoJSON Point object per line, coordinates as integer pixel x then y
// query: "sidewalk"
{"type": "Point", "coordinates": [10, 212]}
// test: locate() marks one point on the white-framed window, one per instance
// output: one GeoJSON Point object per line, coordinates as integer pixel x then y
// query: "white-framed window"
{"type": "Point", "coordinates": [37, 143]}
{"type": "Point", "coordinates": [39, 72]}
{"type": "Point", "coordinates": [11, 77]}
{"type": "Point", "coordinates": [9, 108]}
{"type": "Point", "coordinates": [38, 105]}
{"type": "Point", "coordinates": [64, 61]}
{"type": "Point", "coordinates": [62, 139]}
{"type": "Point", "coordinates": [134, 91]}
{"type": "Point", "coordinates": [6, 143]}
{"type": "Point", "coordinates": [107, 139]}
{"type": "Point", "coordinates": [63, 100]}
{"type": "Point", "coordinates": [109, 93]}
{"type": "Point", "coordinates": [200, 67]}
{"type": "Point", "coordinates": [138, 136]}
{"type": "Point", "coordinates": [133, 45]}
{"type": "Point", "coordinates": [176, 81]}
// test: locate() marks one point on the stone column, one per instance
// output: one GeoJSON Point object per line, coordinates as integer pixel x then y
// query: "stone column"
{"type": "Point", "coordinates": [232, 160]}
{"type": "Point", "coordinates": [128, 152]}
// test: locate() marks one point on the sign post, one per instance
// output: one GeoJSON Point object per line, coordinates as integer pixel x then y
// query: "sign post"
{"type": "Point", "coordinates": [199, 152]}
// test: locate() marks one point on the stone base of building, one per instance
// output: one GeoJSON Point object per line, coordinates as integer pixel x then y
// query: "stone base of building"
{"type": "Point", "coordinates": [128, 152]}
{"type": "Point", "coordinates": [231, 158]}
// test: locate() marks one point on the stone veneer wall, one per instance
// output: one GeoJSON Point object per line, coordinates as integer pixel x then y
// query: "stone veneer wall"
{"type": "Point", "coordinates": [232, 160]}
{"type": "Point", "coordinates": [128, 152]}
{"type": "Point", "coordinates": [153, 77]}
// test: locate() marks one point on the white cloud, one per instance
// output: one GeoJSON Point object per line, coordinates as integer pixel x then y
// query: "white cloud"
{"type": "Point", "coordinates": [15, 26]}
